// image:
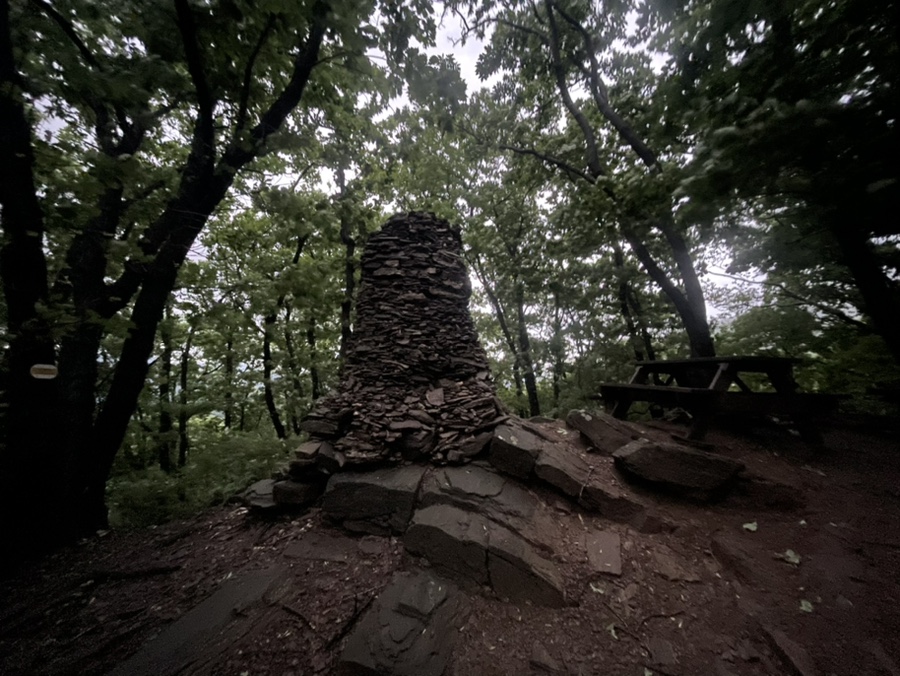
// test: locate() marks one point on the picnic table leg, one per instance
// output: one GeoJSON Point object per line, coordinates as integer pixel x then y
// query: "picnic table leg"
{"type": "Point", "coordinates": [782, 380]}
{"type": "Point", "coordinates": [621, 406]}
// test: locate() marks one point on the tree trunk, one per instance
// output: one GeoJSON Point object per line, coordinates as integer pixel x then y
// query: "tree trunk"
{"type": "Point", "coordinates": [494, 300]}
{"type": "Point", "coordinates": [624, 308]}
{"type": "Point", "coordinates": [184, 441]}
{"type": "Point", "coordinates": [294, 369]}
{"type": "Point", "coordinates": [229, 381]}
{"type": "Point", "coordinates": [164, 434]}
{"type": "Point", "coordinates": [558, 348]}
{"type": "Point", "coordinates": [32, 433]}
{"type": "Point", "coordinates": [269, 323]}
{"type": "Point", "coordinates": [313, 358]}
{"type": "Point", "coordinates": [691, 308]}
{"type": "Point", "coordinates": [525, 352]}
{"type": "Point", "coordinates": [880, 295]}
{"type": "Point", "coordinates": [349, 269]}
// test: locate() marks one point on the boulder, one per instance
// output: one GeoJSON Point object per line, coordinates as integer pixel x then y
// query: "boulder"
{"type": "Point", "coordinates": [296, 494]}
{"type": "Point", "coordinates": [476, 551]}
{"type": "Point", "coordinates": [453, 540]}
{"type": "Point", "coordinates": [259, 495]}
{"type": "Point", "coordinates": [514, 450]}
{"type": "Point", "coordinates": [601, 431]}
{"type": "Point", "coordinates": [410, 630]}
{"type": "Point", "coordinates": [479, 489]}
{"type": "Point", "coordinates": [517, 572]}
{"type": "Point", "coordinates": [688, 472]}
{"type": "Point", "coordinates": [562, 468]}
{"type": "Point", "coordinates": [376, 502]}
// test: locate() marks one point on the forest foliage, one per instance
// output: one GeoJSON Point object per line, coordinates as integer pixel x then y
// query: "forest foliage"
{"type": "Point", "coordinates": [187, 187]}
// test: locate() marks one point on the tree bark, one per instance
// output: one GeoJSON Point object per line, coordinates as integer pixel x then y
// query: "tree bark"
{"type": "Point", "coordinates": [313, 358]}
{"type": "Point", "coordinates": [349, 268]}
{"type": "Point", "coordinates": [269, 323]}
{"type": "Point", "coordinates": [880, 294]}
{"type": "Point", "coordinates": [526, 361]}
{"type": "Point", "coordinates": [229, 381]}
{"type": "Point", "coordinates": [184, 441]}
{"type": "Point", "coordinates": [164, 433]}
{"type": "Point", "coordinates": [32, 439]}
{"type": "Point", "coordinates": [508, 337]}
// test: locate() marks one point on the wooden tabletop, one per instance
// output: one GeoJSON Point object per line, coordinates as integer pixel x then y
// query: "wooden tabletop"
{"type": "Point", "coordinates": [739, 361]}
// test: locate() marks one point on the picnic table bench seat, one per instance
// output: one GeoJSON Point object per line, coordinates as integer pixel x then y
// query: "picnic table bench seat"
{"type": "Point", "coordinates": [701, 386]}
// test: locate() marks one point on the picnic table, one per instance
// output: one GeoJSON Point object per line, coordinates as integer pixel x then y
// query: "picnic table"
{"type": "Point", "coordinates": [711, 386]}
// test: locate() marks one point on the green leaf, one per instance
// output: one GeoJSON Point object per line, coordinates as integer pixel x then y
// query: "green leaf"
{"type": "Point", "coordinates": [751, 526]}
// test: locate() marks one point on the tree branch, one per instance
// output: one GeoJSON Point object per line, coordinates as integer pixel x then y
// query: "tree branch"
{"type": "Point", "coordinates": [248, 75]}
{"type": "Point", "coordinates": [601, 95]}
{"type": "Point", "coordinates": [550, 159]}
{"type": "Point", "coordinates": [591, 151]}
{"type": "Point", "coordinates": [204, 132]}
{"type": "Point", "coordinates": [837, 314]}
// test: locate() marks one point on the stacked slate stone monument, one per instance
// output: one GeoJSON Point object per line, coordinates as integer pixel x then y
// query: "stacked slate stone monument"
{"type": "Point", "coordinates": [416, 383]}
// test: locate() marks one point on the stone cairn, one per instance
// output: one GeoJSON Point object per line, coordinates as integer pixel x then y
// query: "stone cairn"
{"type": "Point", "coordinates": [416, 383]}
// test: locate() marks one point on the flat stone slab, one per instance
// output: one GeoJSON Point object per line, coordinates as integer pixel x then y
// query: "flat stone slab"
{"type": "Point", "coordinates": [514, 450]}
{"type": "Point", "coordinates": [603, 432]}
{"type": "Point", "coordinates": [376, 502]}
{"type": "Point", "coordinates": [181, 643]}
{"type": "Point", "coordinates": [604, 552]}
{"type": "Point", "coordinates": [410, 630]}
{"type": "Point", "coordinates": [479, 489]}
{"type": "Point", "coordinates": [563, 469]}
{"type": "Point", "coordinates": [691, 473]}
{"type": "Point", "coordinates": [477, 551]}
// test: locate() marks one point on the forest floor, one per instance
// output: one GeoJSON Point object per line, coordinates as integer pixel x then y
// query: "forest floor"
{"type": "Point", "coordinates": [718, 593]}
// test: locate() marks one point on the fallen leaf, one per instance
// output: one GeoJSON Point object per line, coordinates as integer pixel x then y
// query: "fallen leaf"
{"type": "Point", "coordinates": [597, 588]}
{"type": "Point", "coordinates": [611, 628]}
{"type": "Point", "coordinates": [751, 526]}
{"type": "Point", "coordinates": [806, 606]}
{"type": "Point", "coordinates": [789, 556]}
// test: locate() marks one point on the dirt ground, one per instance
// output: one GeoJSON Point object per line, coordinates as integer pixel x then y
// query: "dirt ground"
{"type": "Point", "coordinates": [801, 578]}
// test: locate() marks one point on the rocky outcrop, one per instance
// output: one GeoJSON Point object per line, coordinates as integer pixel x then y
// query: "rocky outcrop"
{"type": "Point", "coordinates": [377, 502]}
{"type": "Point", "coordinates": [477, 551]}
{"type": "Point", "coordinates": [602, 432]}
{"type": "Point", "coordinates": [410, 630]}
{"type": "Point", "coordinates": [691, 473]}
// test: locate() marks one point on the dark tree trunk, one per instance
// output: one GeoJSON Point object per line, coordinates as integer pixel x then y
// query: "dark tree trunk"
{"type": "Point", "coordinates": [164, 434]}
{"type": "Point", "coordinates": [691, 308]}
{"type": "Point", "coordinates": [639, 318]}
{"type": "Point", "coordinates": [229, 381]}
{"type": "Point", "coordinates": [881, 295]}
{"type": "Point", "coordinates": [313, 358]}
{"type": "Point", "coordinates": [32, 433]}
{"type": "Point", "coordinates": [508, 337]}
{"type": "Point", "coordinates": [294, 369]}
{"type": "Point", "coordinates": [624, 308]}
{"type": "Point", "coordinates": [269, 323]}
{"type": "Point", "coordinates": [557, 345]}
{"type": "Point", "coordinates": [184, 442]}
{"type": "Point", "coordinates": [349, 269]}
{"type": "Point", "coordinates": [526, 361]}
